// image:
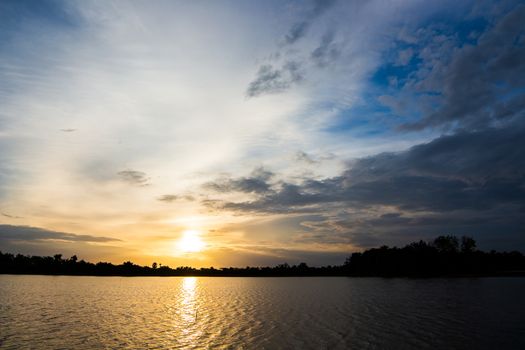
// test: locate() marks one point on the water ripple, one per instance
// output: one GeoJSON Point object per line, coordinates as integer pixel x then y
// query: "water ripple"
{"type": "Point", "coordinates": [47, 312]}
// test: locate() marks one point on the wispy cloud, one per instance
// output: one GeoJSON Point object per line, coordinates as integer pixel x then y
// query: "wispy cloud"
{"type": "Point", "coordinates": [299, 29]}
{"type": "Point", "coordinates": [11, 216]}
{"type": "Point", "coordinates": [168, 198]}
{"type": "Point", "coordinates": [257, 182]}
{"type": "Point", "coordinates": [134, 177]}
{"type": "Point", "coordinates": [304, 157]}
{"type": "Point", "coordinates": [273, 80]}
{"type": "Point", "coordinates": [272, 77]}
{"type": "Point", "coordinates": [28, 233]}
{"type": "Point", "coordinates": [327, 52]}
{"type": "Point", "coordinates": [312, 159]}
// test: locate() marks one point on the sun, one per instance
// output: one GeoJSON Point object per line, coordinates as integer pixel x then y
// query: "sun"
{"type": "Point", "coordinates": [190, 242]}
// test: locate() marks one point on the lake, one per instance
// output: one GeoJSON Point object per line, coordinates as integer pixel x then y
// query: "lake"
{"type": "Point", "coordinates": [65, 312]}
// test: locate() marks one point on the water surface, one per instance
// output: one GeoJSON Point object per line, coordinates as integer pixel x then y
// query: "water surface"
{"type": "Point", "coordinates": [53, 312]}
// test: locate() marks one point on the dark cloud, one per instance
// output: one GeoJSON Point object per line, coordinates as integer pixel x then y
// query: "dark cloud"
{"type": "Point", "coordinates": [466, 181]}
{"type": "Point", "coordinates": [271, 80]}
{"type": "Point", "coordinates": [391, 216]}
{"type": "Point", "coordinates": [28, 233]}
{"type": "Point", "coordinates": [327, 51]}
{"type": "Point", "coordinates": [299, 29]}
{"type": "Point", "coordinates": [37, 241]}
{"type": "Point", "coordinates": [473, 158]}
{"type": "Point", "coordinates": [257, 182]}
{"type": "Point", "coordinates": [467, 170]}
{"type": "Point", "coordinates": [483, 84]}
{"type": "Point", "coordinates": [499, 228]}
{"type": "Point", "coordinates": [68, 130]}
{"type": "Point", "coordinates": [133, 177]}
{"type": "Point", "coordinates": [469, 182]}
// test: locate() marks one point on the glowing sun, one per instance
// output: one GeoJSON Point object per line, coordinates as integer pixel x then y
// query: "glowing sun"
{"type": "Point", "coordinates": [190, 242]}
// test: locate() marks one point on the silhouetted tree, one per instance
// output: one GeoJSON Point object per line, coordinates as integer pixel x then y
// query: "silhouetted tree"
{"type": "Point", "coordinates": [446, 244]}
{"type": "Point", "coordinates": [468, 244]}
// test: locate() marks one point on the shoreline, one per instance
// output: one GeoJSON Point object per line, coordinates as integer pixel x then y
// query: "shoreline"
{"type": "Point", "coordinates": [489, 275]}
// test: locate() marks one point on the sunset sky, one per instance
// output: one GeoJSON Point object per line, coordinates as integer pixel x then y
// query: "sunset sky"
{"type": "Point", "coordinates": [218, 133]}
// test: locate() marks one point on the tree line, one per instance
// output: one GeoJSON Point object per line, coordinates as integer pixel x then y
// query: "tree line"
{"type": "Point", "coordinates": [444, 256]}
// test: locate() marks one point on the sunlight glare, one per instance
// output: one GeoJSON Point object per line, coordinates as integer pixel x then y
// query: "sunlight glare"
{"type": "Point", "coordinates": [190, 242]}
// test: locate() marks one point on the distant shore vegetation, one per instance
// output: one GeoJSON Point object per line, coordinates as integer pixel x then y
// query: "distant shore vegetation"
{"type": "Point", "coordinates": [444, 256]}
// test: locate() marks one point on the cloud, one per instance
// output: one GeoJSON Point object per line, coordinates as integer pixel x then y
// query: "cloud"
{"type": "Point", "coordinates": [299, 29]}
{"type": "Point", "coordinates": [468, 170]}
{"type": "Point", "coordinates": [11, 216]}
{"type": "Point", "coordinates": [494, 229]}
{"type": "Point", "coordinates": [305, 157]}
{"type": "Point", "coordinates": [397, 105]}
{"type": "Point", "coordinates": [150, 83]}
{"type": "Point", "coordinates": [43, 242]}
{"type": "Point", "coordinates": [257, 182]}
{"type": "Point", "coordinates": [464, 182]}
{"type": "Point", "coordinates": [404, 57]}
{"type": "Point", "coordinates": [133, 177]}
{"type": "Point", "coordinates": [270, 80]}
{"type": "Point", "coordinates": [68, 130]}
{"type": "Point", "coordinates": [327, 52]}
{"type": "Point", "coordinates": [482, 85]}
{"type": "Point", "coordinates": [28, 233]}
{"type": "Point", "coordinates": [168, 198]}
{"type": "Point", "coordinates": [268, 256]}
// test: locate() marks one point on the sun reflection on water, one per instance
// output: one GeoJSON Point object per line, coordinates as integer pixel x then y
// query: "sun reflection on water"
{"type": "Point", "coordinates": [188, 305]}
{"type": "Point", "coordinates": [188, 312]}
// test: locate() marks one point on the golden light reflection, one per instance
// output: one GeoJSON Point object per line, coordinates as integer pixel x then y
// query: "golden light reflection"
{"type": "Point", "coordinates": [188, 285]}
{"type": "Point", "coordinates": [188, 307]}
{"type": "Point", "coordinates": [190, 242]}
{"type": "Point", "coordinates": [188, 324]}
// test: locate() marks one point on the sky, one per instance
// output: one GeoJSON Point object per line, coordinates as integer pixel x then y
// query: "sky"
{"type": "Point", "coordinates": [234, 133]}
